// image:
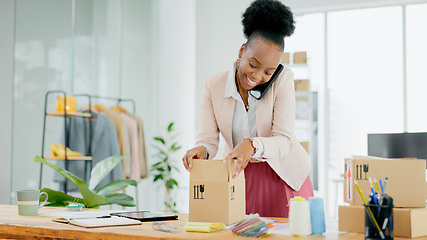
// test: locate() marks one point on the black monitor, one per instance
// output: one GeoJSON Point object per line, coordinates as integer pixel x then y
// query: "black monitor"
{"type": "Point", "coordinates": [398, 145]}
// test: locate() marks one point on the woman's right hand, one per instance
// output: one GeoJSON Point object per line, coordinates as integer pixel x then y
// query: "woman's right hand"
{"type": "Point", "coordinates": [194, 153]}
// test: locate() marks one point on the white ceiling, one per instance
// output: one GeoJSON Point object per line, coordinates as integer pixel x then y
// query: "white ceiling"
{"type": "Point", "coordinates": [310, 6]}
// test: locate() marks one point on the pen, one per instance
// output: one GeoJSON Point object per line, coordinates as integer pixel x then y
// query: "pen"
{"type": "Point", "coordinates": [91, 217]}
{"type": "Point", "coordinates": [376, 186]}
{"type": "Point", "coordinates": [384, 193]}
{"type": "Point", "coordinates": [381, 185]}
{"type": "Point", "coordinates": [369, 210]}
{"type": "Point", "coordinates": [385, 185]}
{"type": "Point", "coordinates": [374, 198]}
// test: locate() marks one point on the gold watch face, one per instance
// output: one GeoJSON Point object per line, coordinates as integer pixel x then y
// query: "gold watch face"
{"type": "Point", "coordinates": [254, 144]}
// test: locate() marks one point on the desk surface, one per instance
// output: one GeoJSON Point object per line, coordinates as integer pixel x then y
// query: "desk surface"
{"type": "Point", "coordinates": [14, 226]}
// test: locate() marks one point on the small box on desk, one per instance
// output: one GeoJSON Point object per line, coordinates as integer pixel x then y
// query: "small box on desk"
{"type": "Point", "coordinates": [406, 179]}
{"type": "Point", "coordinates": [214, 195]}
{"type": "Point", "coordinates": [408, 222]}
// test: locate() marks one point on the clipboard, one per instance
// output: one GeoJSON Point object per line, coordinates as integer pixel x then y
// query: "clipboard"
{"type": "Point", "coordinates": [146, 216]}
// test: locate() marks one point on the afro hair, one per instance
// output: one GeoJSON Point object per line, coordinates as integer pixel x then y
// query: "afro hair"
{"type": "Point", "coordinates": [268, 16]}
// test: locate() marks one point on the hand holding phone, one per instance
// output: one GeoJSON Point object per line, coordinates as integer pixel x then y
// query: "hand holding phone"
{"type": "Point", "coordinates": [259, 91]}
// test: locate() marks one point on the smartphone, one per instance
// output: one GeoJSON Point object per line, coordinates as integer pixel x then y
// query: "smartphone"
{"type": "Point", "coordinates": [259, 91]}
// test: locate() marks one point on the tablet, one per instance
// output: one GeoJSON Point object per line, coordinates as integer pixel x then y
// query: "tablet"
{"type": "Point", "coordinates": [146, 216]}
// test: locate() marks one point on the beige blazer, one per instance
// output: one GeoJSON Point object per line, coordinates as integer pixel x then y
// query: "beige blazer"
{"type": "Point", "coordinates": [275, 120]}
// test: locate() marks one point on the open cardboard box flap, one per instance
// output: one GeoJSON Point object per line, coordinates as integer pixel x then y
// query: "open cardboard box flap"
{"type": "Point", "coordinates": [210, 170]}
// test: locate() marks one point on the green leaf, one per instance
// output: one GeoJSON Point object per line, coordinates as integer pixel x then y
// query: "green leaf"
{"type": "Point", "coordinates": [102, 169]}
{"type": "Point", "coordinates": [90, 199]}
{"type": "Point", "coordinates": [176, 148]}
{"type": "Point", "coordinates": [116, 185]}
{"type": "Point", "coordinates": [58, 197]}
{"type": "Point", "coordinates": [156, 164]}
{"type": "Point", "coordinates": [170, 183]}
{"type": "Point", "coordinates": [170, 127]}
{"type": "Point", "coordinates": [176, 168]}
{"type": "Point", "coordinates": [73, 178]}
{"type": "Point", "coordinates": [174, 182]}
{"type": "Point", "coordinates": [160, 140]}
{"type": "Point", "coordinates": [121, 199]}
{"type": "Point", "coordinates": [157, 177]}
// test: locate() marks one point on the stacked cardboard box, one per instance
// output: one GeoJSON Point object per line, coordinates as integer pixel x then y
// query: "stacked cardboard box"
{"type": "Point", "coordinates": [406, 185]}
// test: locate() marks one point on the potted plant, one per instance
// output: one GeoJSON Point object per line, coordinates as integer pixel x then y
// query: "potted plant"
{"type": "Point", "coordinates": [164, 168]}
{"type": "Point", "coordinates": [90, 197]}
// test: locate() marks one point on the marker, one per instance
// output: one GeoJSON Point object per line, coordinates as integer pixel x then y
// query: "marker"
{"type": "Point", "coordinates": [369, 210]}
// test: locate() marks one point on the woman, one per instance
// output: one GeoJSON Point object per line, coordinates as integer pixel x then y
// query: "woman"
{"type": "Point", "coordinates": [261, 130]}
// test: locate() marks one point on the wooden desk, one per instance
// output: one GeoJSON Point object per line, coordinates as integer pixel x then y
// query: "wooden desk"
{"type": "Point", "coordinates": [14, 226]}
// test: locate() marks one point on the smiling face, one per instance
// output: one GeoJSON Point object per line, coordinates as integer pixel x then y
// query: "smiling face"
{"type": "Point", "coordinates": [258, 61]}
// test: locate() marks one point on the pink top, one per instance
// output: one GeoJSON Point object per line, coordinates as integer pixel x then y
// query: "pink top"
{"type": "Point", "coordinates": [132, 128]}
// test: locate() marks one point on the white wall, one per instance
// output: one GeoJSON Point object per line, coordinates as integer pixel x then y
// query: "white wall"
{"type": "Point", "coordinates": [175, 60]}
{"type": "Point", "coordinates": [7, 19]}
{"type": "Point", "coordinates": [139, 82]}
{"type": "Point", "coordinates": [219, 35]}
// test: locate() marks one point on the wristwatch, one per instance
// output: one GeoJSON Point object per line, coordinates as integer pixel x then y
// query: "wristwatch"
{"type": "Point", "coordinates": [255, 144]}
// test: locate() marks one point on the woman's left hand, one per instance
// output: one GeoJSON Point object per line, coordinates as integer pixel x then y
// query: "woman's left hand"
{"type": "Point", "coordinates": [243, 153]}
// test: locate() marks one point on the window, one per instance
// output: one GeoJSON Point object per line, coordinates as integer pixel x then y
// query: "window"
{"type": "Point", "coordinates": [416, 49]}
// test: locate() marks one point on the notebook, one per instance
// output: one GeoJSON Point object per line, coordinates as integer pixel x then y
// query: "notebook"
{"type": "Point", "coordinates": [107, 221]}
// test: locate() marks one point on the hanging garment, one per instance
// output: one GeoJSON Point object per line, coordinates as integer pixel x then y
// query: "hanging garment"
{"type": "Point", "coordinates": [122, 135]}
{"type": "Point", "coordinates": [132, 127]}
{"type": "Point", "coordinates": [104, 144]}
{"type": "Point", "coordinates": [142, 155]}
{"type": "Point", "coordinates": [117, 111]}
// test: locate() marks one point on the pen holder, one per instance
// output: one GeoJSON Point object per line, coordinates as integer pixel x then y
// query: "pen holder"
{"type": "Point", "coordinates": [383, 215]}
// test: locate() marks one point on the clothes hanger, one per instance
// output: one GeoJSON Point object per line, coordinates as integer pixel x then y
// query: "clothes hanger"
{"type": "Point", "coordinates": [118, 109]}
{"type": "Point", "coordinates": [92, 108]}
{"type": "Point", "coordinates": [100, 107]}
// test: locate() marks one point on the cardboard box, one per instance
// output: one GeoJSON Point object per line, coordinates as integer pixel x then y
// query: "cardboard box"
{"type": "Point", "coordinates": [406, 179]}
{"type": "Point", "coordinates": [407, 222]}
{"type": "Point", "coordinates": [214, 195]}
{"type": "Point", "coordinates": [300, 57]}
{"type": "Point", "coordinates": [285, 58]}
{"type": "Point", "coordinates": [306, 146]}
{"type": "Point", "coordinates": [302, 85]}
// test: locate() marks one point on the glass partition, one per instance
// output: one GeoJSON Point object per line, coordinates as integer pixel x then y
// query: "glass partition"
{"type": "Point", "coordinates": [70, 45]}
{"type": "Point", "coordinates": [43, 61]}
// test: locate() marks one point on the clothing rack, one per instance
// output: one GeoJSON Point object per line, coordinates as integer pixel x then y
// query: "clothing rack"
{"type": "Point", "coordinates": [88, 159]}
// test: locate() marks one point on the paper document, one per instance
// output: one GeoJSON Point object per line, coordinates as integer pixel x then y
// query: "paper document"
{"type": "Point", "coordinates": [98, 222]}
